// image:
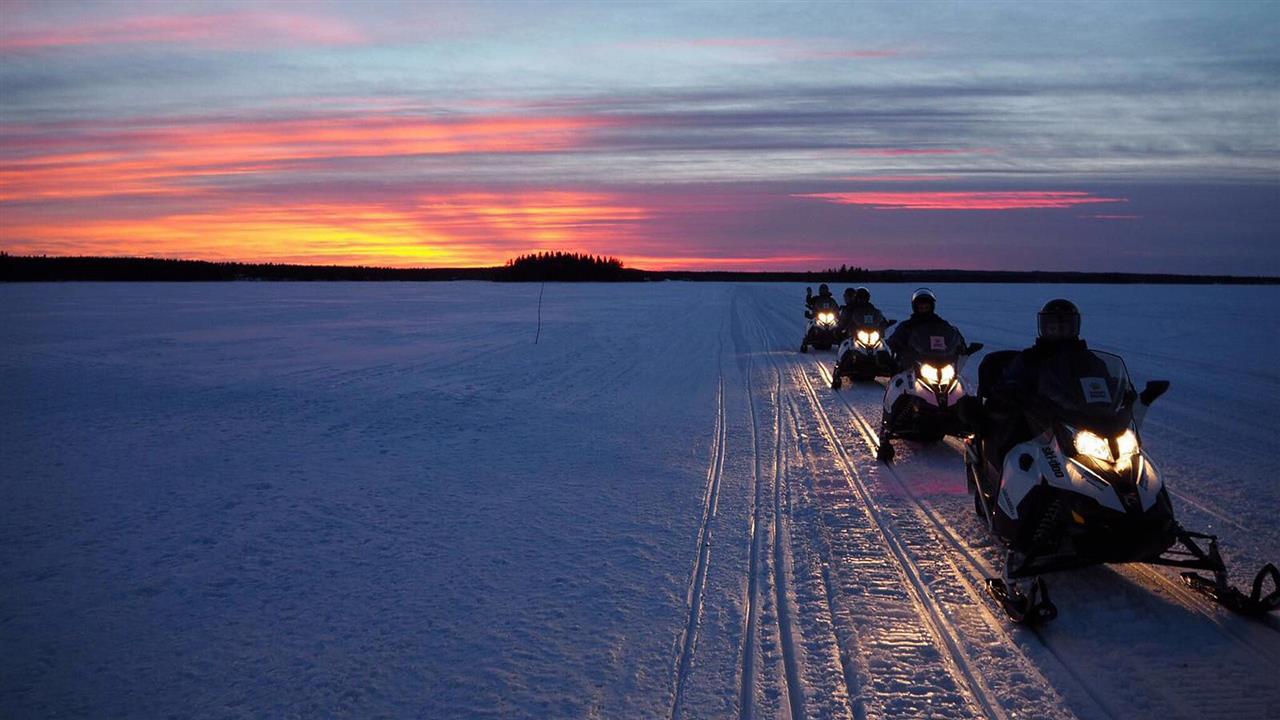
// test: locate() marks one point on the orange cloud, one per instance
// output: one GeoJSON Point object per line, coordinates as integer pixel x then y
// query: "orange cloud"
{"type": "Point", "coordinates": [1013, 200]}
{"type": "Point", "coordinates": [451, 229]}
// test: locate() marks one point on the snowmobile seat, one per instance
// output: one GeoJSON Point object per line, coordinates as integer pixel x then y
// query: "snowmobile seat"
{"type": "Point", "coordinates": [991, 370]}
{"type": "Point", "coordinates": [999, 430]}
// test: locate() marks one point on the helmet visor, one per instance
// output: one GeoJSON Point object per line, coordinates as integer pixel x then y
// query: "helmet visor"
{"type": "Point", "coordinates": [1059, 326]}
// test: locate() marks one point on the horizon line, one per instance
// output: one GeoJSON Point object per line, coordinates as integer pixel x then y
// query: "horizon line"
{"type": "Point", "coordinates": [823, 271]}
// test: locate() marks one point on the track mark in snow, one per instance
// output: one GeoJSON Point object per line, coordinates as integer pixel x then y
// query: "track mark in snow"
{"type": "Point", "coordinates": [946, 637]}
{"type": "Point", "coordinates": [702, 558]}
{"type": "Point", "coordinates": [842, 636]}
{"type": "Point", "coordinates": [768, 562]}
{"type": "Point", "coordinates": [782, 563]}
{"type": "Point", "coordinates": [747, 688]}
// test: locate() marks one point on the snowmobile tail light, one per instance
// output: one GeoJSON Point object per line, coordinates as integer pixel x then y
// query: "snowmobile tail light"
{"type": "Point", "coordinates": [1127, 443]}
{"type": "Point", "coordinates": [1093, 446]}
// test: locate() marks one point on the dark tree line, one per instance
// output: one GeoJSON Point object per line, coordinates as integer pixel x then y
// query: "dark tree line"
{"type": "Point", "coordinates": [40, 268]}
{"type": "Point", "coordinates": [554, 266]}
{"type": "Point", "coordinates": [845, 274]}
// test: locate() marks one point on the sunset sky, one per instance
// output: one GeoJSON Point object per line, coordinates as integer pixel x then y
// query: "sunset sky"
{"type": "Point", "coordinates": [1031, 135]}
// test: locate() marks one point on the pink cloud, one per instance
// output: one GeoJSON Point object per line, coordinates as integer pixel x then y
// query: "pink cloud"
{"type": "Point", "coordinates": [1113, 217]}
{"type": "Point", "coordinates": [225, 30]}
{"type": "Point", "coordinates": [142, 158]}
{"type": "Point", "coordinates": [1012, 200]}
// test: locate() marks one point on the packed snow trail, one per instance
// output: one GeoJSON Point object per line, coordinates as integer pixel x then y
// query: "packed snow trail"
{"type": "Point", "coordinates": [1242, 693]}
{"type": "Point", "coordinates": [355, 500]}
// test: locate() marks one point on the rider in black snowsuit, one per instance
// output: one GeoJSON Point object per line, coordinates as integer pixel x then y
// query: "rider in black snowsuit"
{"type": "Point", "coordinates": [859, 312]}
{"type": "Point", "coordinates": [924, 322]}
{"type": "Point", "coordinates": [1041, 376]}
{"type": "Point", "coordinates": [822, 301]}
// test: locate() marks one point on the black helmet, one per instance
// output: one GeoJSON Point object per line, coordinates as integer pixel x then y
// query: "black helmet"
{"type": "Point", "coordinates": [1059, 320]}
{"type": "Point", "coordinates": [923, 296]}
{"type": "Point", "coordinates": [823, 289]}
{"type": "Point", "coordinates": [848, 295]}
{"type": "Point", "coordinates": [862, 295]}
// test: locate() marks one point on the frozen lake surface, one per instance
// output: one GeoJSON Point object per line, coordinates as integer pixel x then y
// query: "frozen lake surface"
{"type": "Point", "coordinates": [383, 500]}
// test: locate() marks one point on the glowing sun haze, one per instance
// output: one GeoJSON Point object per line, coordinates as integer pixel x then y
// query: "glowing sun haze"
{"type": "Point", "coordinates": [1074, 136]}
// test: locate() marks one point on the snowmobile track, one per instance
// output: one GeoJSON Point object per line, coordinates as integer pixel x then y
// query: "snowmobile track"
{"type": "Point", "coordinates": [702, 558]}
{"type": "Point", "coordinates": [947, 635]}
{"type": "Point", "coordinates": [782, 563]}
{"type": "Point", "coordinates": [747, 684]}
{"type": "Point", "coordinates": [977, 567]}
{"type": "Point", "coordinates": [845, 649]}
{"type": "Point", "coordinates": [778, 567]}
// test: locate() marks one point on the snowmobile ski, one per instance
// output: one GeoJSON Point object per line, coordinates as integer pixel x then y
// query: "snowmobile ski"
{"type": "Point", "coordinates": [1031, 606]}
{"type": "Point", "coordinates": [1254, 604]}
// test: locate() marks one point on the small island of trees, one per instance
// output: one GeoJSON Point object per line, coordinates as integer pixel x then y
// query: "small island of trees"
{"type": "Point", "coordinates": [567, 267]}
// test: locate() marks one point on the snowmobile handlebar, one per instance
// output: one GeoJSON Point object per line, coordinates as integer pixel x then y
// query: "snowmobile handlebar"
{"type": "Point", "coordinates": [1153, 390]}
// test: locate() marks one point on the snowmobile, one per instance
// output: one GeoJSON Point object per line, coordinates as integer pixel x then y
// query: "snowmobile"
{"type": "Point", "coordinates": [823, 330]}
{"type": "Point", "coordinates": [920, 401]}
{"type": "Point", "coordinates": [862, 355]}
{"type": "Point", "coordinates": [1082, 491]}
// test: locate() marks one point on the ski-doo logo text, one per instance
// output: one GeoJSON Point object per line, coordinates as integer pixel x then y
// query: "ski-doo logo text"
{"type": "Point", "coordinates": [1053, 462]}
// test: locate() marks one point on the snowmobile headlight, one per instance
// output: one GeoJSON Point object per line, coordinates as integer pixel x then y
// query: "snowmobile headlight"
{"type": "Point", "coordinates": [938, 376]}
{"type": "Point", "coordinates": [864, 337]}
{"type": "Point", "coordinates": [826, 318]}
{"type": "Point", "coordinates": [1127, 443]}
{"type": "Point", "coordinates": [1093, 446]}
{"type": "Point", "coordinates": [929, 373]}
{"type": "Point", "coordinates": [873, 337]}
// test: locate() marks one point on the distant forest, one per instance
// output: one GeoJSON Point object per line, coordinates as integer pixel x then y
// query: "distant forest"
{"type": "Point", "coordinates": [553, 266]}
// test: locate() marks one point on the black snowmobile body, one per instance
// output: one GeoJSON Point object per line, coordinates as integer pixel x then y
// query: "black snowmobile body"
{"type": "Point", "coordinates": [863, 356]}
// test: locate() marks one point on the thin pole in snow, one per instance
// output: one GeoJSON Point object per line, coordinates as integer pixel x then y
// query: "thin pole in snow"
{"type": "Point", "coordinates": [539, 333]}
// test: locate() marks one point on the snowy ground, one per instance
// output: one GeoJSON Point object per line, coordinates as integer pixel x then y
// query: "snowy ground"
{"type": "Point", "coordinates": [383, 500]}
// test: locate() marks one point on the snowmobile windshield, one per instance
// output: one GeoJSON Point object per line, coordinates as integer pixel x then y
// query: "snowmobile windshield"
{"type": "Point", "coordinates": [867, 319]}
{"type": "Point", "coordinates": [935, 343]}
{"type": "Point", "coordinates": [1088, 387]}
